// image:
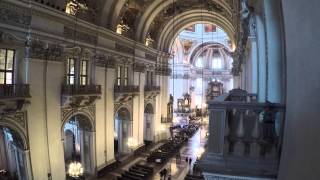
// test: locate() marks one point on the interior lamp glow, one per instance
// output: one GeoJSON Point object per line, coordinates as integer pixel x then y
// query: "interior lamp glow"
{"type": "Point", "coordinates": [132, 143]}
{"type": "Point", "coordinates": [199, 152]}
{"type": "Point", "coordinates": [75, 169]}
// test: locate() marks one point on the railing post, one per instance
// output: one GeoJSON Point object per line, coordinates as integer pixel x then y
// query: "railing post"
{"type": "Point", "coordinates": [239, 144]}
{"type": "Point", "coordinates": [255, 148]}
{"type": "Point", "coordinates": [217, 131]}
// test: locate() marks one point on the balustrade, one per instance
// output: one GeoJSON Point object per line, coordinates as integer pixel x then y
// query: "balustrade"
{"type": "Point", "coordinates": [73, 90]}
{"type": "Point", "coordinates": [244, 133]}
{"type": "Point", "coordinates": [152, 88]}
{"type": "Point", "coordinates": [14, 91]}
{"type": "Point", "coordinates": [126, 89]}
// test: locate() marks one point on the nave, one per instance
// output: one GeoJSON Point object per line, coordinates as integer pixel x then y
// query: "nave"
{"type": "Point", "coordinates": [168, 155]}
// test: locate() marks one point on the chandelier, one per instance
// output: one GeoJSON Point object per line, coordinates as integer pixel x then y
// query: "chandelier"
{"type": "Point", "coordinates": [75, 169]}
{"type": "Point", "coordinates": [132, 143]}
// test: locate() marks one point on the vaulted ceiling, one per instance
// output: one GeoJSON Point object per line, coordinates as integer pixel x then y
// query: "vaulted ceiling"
{"type": "Point", "coordinates": [162, 20]}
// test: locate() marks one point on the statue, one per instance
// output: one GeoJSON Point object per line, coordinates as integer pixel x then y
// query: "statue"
{"type": "Point", "coordinates": [245, 10]}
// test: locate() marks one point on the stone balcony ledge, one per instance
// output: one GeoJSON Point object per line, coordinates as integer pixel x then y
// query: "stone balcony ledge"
{"type": "Point", "coordinates": [126, 89]}
{"type": "Point", "coordinates": [10, 91]}
{"type": "Point", "coordinates": [79, 95]}
{"type": "Point", "coordinates": [76, 90]}
{"type": "Point", "coordinates": [14, 97]}
{"type": "Point", "coordinates": [152, 88]}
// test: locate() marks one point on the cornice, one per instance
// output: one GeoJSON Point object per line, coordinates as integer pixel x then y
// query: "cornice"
{"type": "Point", "coordinates": [88, 34]}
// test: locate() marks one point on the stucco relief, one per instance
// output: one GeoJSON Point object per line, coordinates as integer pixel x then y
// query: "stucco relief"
{"type": "Point", "coordinates": [11, 14]}
{"type": "Point", "coordinates": [88, 111]}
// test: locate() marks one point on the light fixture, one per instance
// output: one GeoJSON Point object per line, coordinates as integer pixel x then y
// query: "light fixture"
{"type": "Point", "coordinates": [199, 152]}
{"type": "Point", "coordinates": [75, 169]}
{"type": "Point", "coordinates": [132, 143]}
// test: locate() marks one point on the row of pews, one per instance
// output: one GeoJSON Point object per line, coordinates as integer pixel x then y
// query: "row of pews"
{"type": "Point", "coordinates": [172, 147]}
{"type": "Point", "coordinates": [137, 172]}
{"type": "Point", "coordinates": [194, 177]}
{"type": "Point", "coordinates": [164, 152]}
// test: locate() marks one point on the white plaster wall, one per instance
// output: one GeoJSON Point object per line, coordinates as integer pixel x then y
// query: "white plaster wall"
{"type": "Point", "coordinates": [54, 79]}
{"type": "Point", "coordinates": [141, 107]}
{"type": "Point", "coordinates": [36, 120]}
{"type": "Point", "coordinates": [101, 119]}
{"type": "Point", "coordinates": [36, 130]}
{"type": "Point", "coordinates": [300, 155]}
{"type": "Point", "coordinates": [261, 44]}
{"type": "Point", "coordinates": [109, 109]}
{"type": "Point", "coordinates": [274, 50]}
{"type": "Point", "coordinates": [138, 109]}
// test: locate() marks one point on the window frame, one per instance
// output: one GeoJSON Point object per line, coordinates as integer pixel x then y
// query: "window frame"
{"type": "Point", "coordinates": [126, 76]}
{"type": "Point", "coordinates": [119, 69]}
{"type": "Point", "coordinates": [85, 76]}
{"type": "Point", "coordinates": [5, 70]}
{"type": "Point", "coordinates": [69, 74]}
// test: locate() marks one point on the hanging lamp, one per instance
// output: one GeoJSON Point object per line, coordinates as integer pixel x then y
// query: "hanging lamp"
{"type": "Point", "coordinates": [75, 168]}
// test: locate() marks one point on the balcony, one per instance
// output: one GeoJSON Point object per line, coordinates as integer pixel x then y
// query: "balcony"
{"type": "Point", "coordinates": [245, 137]}
{"type": "Point", "coordinates": [79, 90]}
{"type": "Point", "coordinates": [151, 92]}
{"type": "Point", "coordinates": [152, 88]}
{"type": "Point", "coordinates": [125, 93]}
{"type": "Point", "coordinates": [13, 97]}
{"type": "Point", "coordinates": [8, 91]}
{"type": "Point", "coordinates": [126, 89]}
{"type": "Point", "coordinates": [79, 95]}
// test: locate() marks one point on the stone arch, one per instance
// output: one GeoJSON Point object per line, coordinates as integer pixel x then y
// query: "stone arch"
{"type": "Point", "coordinates": [155, 8]}
{"type": "Point", "coordinates": [149, 109]}
{"type": "Point", "coordinates": [183, 20]}
{"type": "Point", "coordinates": [198, 49]}
{"type": "Point", "coordinates": [11, 124]}
{"type": "Point", "coordinates": [122, 107]}
{"type": "Point", "coordinates": [123, 113]}
{"type": "Point", "coordinates": [83, 114]}
{"type": "Point", "coordinates": [20, 134]}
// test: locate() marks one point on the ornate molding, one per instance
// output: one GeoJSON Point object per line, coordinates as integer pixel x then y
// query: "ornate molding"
{"type": "Point", "coordinates": [138, 67]}
{"type": "Point", "coordinates": [17, 121]}
{"type": "Point", "coordinates": [37, 49]}
{"type": "Point", "coordinates": [9, 38]}
{"type": "Point", "coordinates": [13, 15]}
{"type": "Point", "coordinates": [70, 33]}
{"type": "Point", "coordinates": [124, 48]}
{"type": "Point", "coordinates": [89, 111]}
{"type": "Point", "coordinates": [163, 70]}
{"type": "Point", "coordinates": [151, 57]}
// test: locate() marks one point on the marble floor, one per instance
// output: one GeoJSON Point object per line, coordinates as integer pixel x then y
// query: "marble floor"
{"type": "Point", "coordinates": [177, 168]}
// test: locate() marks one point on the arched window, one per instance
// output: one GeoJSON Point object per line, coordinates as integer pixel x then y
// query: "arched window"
{"type": "Point", "coordinates": [199, 62]}
{"type": "Point", "coordinates": [216, 62]}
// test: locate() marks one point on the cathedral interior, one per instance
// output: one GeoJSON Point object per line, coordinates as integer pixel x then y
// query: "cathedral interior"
{"type": "Point", "coordinates": [159, 90]}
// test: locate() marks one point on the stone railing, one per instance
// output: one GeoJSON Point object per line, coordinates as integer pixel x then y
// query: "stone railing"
{"type": "Point", "coordinates": [14, 91]}
{"type": "Point", "coordinates": [126, 89]}
{"type": "Point", "coordinates": [74, 90]}
{"type": "Point", "coordinates": [152, 88]}
{"type": "Point", "coordinates": [245, 137]}
{"type": "Point", "coordinates": [241, 95]}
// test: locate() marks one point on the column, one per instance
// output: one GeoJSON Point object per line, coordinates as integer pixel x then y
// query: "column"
{"type": "Point", "coordinates": [275, 76]}
{"type": "Point", "coordinates": [138, 108]}
{"type": "Point", "coordinates": [109, 114]}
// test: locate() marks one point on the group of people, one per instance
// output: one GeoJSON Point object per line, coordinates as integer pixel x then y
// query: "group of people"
{"type": "Point", "coordinates": [189, 160]}
{"type": "Point", "coordinates": [164, 174]}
